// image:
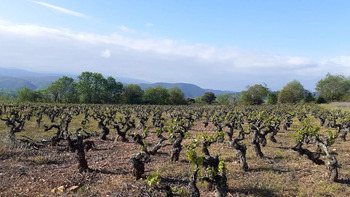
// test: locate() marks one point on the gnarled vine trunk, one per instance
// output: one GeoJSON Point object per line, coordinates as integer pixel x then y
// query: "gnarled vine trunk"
{"type": "Point", "coordinates": [138, 161]}
{"type": "Point", "coordinates": [82, 163]}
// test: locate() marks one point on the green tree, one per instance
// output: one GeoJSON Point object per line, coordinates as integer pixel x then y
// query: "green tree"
{"type": "Point", "coordinates": [46, 96]}
{"type": "Point", "coordinates": [223, 99]}
{"type": "Point", "coordinates": [27, 95]}
{"type": "Point", "coordinates": [333, 87]}
{"type": "Point", "coordinates": [5, 97]}
{"type": "Point", "coordinates": [293, 92]}
{"type": "Point", "coordinates": [198, 100]}
{"type": "Point", "coordinates": [229, 98]}
{"type": "Point", "coordinates": [190, 101]}
{"type": "Point", "coordinates": [255, 94]}
{"type": "Point", "coordinates": [156, 96]}
{"type": "Point", "coordinates": [272, 98]}
{"type": "Point", "coordinates": [208, 97]}
{"type": "Point", "coordinates": [133, 94]}
{"type": "Point", "coordinates": [176, 96]}
{"type": "Point", "coordinates": [92, 88]}
{"type": "Point", "coordinates": [308, 97]}
{"type": "Point", "coordinates": [69, 90]}
{"type": "Point", "coordinates": [320, 100]}
{"type": "Point", "coordinates": [113, 91]}
{"type": "Point", "coordinates": [64, 90]}
{"type": "Point", "coordinates": [53, 91]}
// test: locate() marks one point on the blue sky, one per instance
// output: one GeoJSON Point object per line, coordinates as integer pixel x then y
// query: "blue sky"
{"type": "Point", "coordinates": [214, 44]}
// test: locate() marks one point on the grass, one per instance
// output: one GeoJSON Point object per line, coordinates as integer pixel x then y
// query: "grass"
{"type": "Point", "coordinates": [345, 106]}
{"type": "Point", "coordinates": [39, 160]}
{"type": "Point", "coordinates": [3, 150]}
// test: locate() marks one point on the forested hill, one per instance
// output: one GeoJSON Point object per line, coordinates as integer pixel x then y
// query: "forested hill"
{"type": "Point", "coordinates": [190, 90]}
{"type": "Point", "coordinates": [14, 79]}
{"type": "Point", "coordinates": [33, 83]}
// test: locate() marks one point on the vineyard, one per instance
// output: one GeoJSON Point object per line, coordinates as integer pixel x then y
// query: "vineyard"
{"type": "Point", "coordinates": [148, 150]}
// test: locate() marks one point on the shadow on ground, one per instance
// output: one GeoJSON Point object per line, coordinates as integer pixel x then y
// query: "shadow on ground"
{"type": "Point", "coordinates": [253, 191]}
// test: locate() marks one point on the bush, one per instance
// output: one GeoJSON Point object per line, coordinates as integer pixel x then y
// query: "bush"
{"type": "Point", "coordinates": [320, 100]}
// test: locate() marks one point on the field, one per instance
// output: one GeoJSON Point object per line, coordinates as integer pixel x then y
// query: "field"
{"type": "Point", "coordinates": [30, 166]}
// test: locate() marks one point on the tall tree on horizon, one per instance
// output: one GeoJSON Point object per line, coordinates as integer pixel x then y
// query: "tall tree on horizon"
{"type": "Point", "coordinates": [132, 94]}
{"type": "Point", "coordinates": [113, 91]}
{"type": "Point", "coordinates": [91, 88]}
{"type": "Point", "coordinates": [333, 87]}
{"type": "Point", "coordinates": [293, 92]}
{"type": "Point", "coordinates": [208, 97]}
{"type": "Point", "coordinates": [255, 94]}
{"type": "Point", "coordinates": [64, 90]}
{"type": "Point", "coordinates": [176, 96]}
{"type": "Point", "coordinates": [156, 96]}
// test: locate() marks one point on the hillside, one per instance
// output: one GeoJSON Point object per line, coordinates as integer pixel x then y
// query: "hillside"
{"type": "Point", "coordinates": [34, 83]}
{"type": "Point", "coordinates": [13, 83]}
{"type": "Point", "coordinates": [14, 79]}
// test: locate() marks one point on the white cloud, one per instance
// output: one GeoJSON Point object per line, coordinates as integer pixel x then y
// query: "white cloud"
{"type": "Point", "coordinates": [126, 29]}
{"type": "Point", "coordinates": [106, 53]}
{"type": "Point", "coordinates": [153, 59]}
{"type": "Point", "coordinates": [343, 60]}
{"type": "Point", "coordinates": [148, 24]}
{"type": "Point", "coordinates": [3, 22]}
{"type": "Point", "coordinates": [60, 9]}
{"type": "Point", "coordinates": [298, 61]}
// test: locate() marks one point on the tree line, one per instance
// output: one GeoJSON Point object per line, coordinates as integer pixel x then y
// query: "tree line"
{"type": "Point", "coordinates": [94, 88]}
{"type": "Point", "coordinates": [329, 89]}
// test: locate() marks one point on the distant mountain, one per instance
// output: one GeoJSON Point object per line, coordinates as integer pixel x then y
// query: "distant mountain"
{"type": "Point", "coordinates": [14, 72]}
{"type": "Point", "coordinates": [129, 80]}
{"type": "Point", "coordinates": [219, 92]}
{"type": "Point", "coordinates": [14, 83]}
{"type": "Point", "coordinates": [33, 83]}
{"type": "Point", "coordinates": [189, 90]}
{"type": "Point", "coordinates": [41, 82]}
{"type": "Point", "coordinates": [14, 79]}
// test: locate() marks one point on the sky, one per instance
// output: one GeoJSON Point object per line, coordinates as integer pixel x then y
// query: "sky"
{"type": "Point", "coordinates": [221, 44]}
